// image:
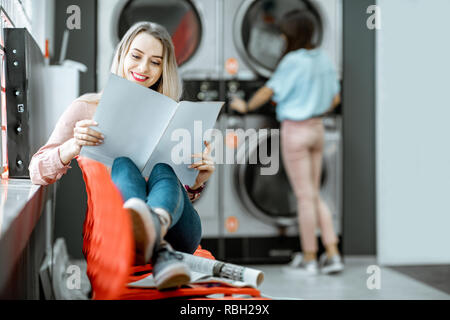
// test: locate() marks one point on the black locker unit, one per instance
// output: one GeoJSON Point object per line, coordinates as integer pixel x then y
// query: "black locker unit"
{"type": "Point", "coordinates": [24, 75]}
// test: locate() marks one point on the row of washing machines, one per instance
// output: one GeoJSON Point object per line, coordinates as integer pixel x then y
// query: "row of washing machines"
{"type": "Point", "coordinates": [226, 48]}
{"type": "Point", "coordinates": [251, 217]}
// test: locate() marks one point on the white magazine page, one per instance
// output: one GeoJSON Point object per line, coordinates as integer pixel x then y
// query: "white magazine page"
{"type": "Point", "coordinates": [196, 278]}
{"type": "Point", "coordinates": [149, 281]}
{"type": "Point", "coordinates": [185, 133]}
{"type": "Point", "coordinates": [132, 119]}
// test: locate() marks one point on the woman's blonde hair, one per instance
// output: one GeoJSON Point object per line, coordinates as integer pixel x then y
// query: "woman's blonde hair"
{"type": "Point", "coordinates": [169, 83]}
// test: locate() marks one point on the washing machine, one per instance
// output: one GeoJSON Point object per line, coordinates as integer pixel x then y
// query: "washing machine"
{"type": "Point", "coordinates": [252, 42]}
{"type": "Point", "coordinates": [193, 25]}
{"type": "Point", "coordinates": [258, 210]}
{"type": "Point", "coordinates": [207, 207]}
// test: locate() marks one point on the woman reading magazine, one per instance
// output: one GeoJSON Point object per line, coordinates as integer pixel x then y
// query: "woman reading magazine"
{"type": "Point", "coordinates": [160, 207]}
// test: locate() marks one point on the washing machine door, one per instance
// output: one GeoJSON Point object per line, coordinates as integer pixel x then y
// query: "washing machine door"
{"type": "Point", "coordinates": [179, 17]}
{"type": "Point", "coordinates": [257, 36]}
{"type": "Point", "coordinates": [269, 197]}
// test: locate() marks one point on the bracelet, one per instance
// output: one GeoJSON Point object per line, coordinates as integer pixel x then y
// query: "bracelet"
{"type": "Point", "coordinates": [196, 191]}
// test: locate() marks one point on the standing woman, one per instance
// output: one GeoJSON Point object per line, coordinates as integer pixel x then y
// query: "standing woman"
{"type": "Point", "coordinates": [160, 207]}
{"type": "Point", "coordinates": [305, 86]}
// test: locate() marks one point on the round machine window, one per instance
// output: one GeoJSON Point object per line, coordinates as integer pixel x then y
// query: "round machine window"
{"type": "Point", "coordinates": [273, 194]}
{"type": "Point", "coordinates": [179, 17]}
{"type": "Point", "coordinates": [257, 35]}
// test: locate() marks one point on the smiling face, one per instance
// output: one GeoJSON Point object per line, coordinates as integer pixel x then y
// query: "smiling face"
{"type": "Point", "coordinates": [143, 63]}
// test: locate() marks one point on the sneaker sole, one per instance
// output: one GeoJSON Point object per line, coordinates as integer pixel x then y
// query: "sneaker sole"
{"type": "Point", "coordinates": [173, 276]}
{"type": "Point", "coordinates": [143, 229]}
{"type": "Point", "coordinates": [332, 269]}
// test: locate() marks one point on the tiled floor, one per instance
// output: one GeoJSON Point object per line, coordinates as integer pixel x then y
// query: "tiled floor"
{"type": "Point", "coordinates": [351, 284]}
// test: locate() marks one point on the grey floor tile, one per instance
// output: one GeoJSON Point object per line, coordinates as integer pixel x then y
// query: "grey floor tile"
{"type": "Point", "coordinates": [437, 277]}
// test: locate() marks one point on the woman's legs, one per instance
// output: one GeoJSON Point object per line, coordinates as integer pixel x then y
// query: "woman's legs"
{"type": "Point", "coordinates": [329, 238]}
{"type": "Point", "coordinates": [161, 191]}
{"type": "Point", "coordinates": [186, 234]}
{"type": "Point", "coordinates": [131, 184]}
{"type": "Point", "coordinates": [128, 179]}
{"type": "Point", "coordinates": [166, 192]}
{"type": "Point", "coordinates": [168, 198]}
{"type": "Point", "coordinates": [296, 143]}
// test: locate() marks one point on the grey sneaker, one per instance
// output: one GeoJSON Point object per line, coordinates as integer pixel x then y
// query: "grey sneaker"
{"type": "Point", "coordinates": [299, 267]}
{"type": "Point", "coordinates": [333, 265]}
{"type": "Point", "coordinates": [169, 269]}
{"type": "Point", "coordinates": [146, 229]}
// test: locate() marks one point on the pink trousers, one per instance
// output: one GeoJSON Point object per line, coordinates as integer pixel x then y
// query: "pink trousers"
{"type": "Point", "coordinates": [302, 148]}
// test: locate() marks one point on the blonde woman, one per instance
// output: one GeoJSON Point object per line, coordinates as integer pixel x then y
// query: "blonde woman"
{"type": "Point", "coordinates": [160, 207]}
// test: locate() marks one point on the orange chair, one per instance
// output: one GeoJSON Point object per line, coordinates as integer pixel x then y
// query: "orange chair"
{"type": "Point", "coordinates": [109, 247]}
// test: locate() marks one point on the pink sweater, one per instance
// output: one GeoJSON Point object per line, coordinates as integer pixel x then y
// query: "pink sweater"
{"type": "Point", "coordinates": [46, 166]}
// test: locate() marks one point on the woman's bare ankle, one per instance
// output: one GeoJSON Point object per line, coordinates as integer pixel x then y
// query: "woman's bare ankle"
{"type": "Point", "coordinates": [331, 250]}
{"type": "Point", "coordinates": [165, 218]}
{"type": "Point", "coordinates": [309, 256]}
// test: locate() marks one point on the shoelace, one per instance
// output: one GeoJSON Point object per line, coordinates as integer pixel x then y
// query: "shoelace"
{"type": "Point", "coordinates": [166, 253]}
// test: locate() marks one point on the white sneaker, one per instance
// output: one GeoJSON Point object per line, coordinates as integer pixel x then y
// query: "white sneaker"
{"type": "Point", "coordinates": [169, 268]}
{"type": "Point", "coordinates": [333, 265]}
{"type": "Point", "coordinates": [146, 229]}
{"type": "Point", "coordinates": [299, 267]}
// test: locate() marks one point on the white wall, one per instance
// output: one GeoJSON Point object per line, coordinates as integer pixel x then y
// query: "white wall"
{"type": "Point", "coordinates": [42, 23]}
{"type": "Point", "coordinates": [413, 131]}
{"type": "Point", "coordinates": [35, 15]}
{"type": "Point", "coordinates": [108, 11]}
{"type": "Point", "coordinates": [332, 41]}
{"type": "Point", "coordinates": [19, 12]}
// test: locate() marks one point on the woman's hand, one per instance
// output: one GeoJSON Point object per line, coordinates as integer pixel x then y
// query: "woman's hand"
{"type": "Point", "coordinates": [82, 136]}
{"type": "Point", "coordinates": [205, 166]}
{"type": "Point", "coordinates": [239, 105]}
{"type": "Point", "coordinates": [85, 136]}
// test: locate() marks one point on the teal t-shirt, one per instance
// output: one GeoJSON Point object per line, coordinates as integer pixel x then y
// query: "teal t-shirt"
{"type": "Point", "coordinates": [304, 85]}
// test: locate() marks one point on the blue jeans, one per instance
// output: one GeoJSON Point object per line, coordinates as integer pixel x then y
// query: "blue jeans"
{"type": "Point", "coordinates": [162, 190]}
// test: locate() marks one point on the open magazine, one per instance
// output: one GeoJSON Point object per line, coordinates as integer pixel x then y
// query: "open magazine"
{"type": "Point", "coordinates": [207, 270]}
{"type": "Point", "coordinates": [149, 128]}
